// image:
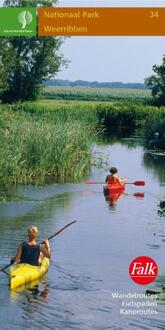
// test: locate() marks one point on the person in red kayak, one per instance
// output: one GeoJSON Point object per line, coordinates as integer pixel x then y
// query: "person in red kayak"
{"type": "Point", "coordinates": [111, 196]}
{"type": "Point", "coordinates": [112, 178]}
{"type": "Point", "coordinates": [31, 252]}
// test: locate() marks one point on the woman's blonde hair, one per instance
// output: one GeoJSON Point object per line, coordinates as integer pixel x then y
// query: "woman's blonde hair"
{"type": "Point", "coordinates": [33, 232]}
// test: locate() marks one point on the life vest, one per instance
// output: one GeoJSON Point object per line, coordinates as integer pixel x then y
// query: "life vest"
{"type": "Point", "coordinates": [30, 254]}
{"type": "Point", "coordinates": [111, 179]}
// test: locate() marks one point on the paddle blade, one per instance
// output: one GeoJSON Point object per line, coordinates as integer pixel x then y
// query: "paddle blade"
{"type": "Point", "coordinates": [139, 183]}
{"type": "Point", "coordinates": [3, 269]}
{"type": "Point", "coordinates": [138, 194]}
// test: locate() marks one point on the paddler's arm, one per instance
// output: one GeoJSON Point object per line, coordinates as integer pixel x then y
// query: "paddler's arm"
{"type": "Point", "coordinates": [123, 180]}
{"type": "Point", "coordinates": [45, 248]}
{"type": "Point", "coordinates": [120, 181]}
{"type": "Point", "coordinates": [107, 178]}
{"type": "Point", "coordinates": [18, 254]}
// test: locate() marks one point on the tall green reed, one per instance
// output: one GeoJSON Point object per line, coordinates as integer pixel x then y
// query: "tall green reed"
{"type": "Point", "coordinates": [36, 147]}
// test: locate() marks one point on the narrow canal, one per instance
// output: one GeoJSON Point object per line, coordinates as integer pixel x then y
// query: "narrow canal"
{"type": "Point", "coordinates": [90, 259]}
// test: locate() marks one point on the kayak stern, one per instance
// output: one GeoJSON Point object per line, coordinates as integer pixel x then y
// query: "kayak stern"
{"type": "Point", "coordinates": [21, 274]}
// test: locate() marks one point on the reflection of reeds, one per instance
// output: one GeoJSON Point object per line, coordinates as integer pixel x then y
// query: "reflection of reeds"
{"type": "Point", "coordinates": [39, 146]}
{"type": "Point", "coordinates": [156, 164]}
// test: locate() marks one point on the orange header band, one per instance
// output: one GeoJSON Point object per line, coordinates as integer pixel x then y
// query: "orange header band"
{"type": "Point", "coordinates": [101, 21]}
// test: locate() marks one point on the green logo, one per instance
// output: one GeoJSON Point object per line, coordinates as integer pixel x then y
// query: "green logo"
{"type": "Point", "coordinates": [25, 17]}
{"type": "Point", "coordinates": [18, 21]}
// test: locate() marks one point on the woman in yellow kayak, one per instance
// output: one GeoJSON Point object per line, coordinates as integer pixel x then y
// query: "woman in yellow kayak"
{"type": "Point", "coordinates": [31, 252]}
{"type": "Point", "coordinates": [112, 178]}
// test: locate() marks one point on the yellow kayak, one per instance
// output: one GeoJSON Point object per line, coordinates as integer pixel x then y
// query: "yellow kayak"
{"type": "Point", "coordinates": [23, 273]}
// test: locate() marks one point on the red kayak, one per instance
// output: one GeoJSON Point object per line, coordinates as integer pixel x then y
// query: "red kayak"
{"type": "Point", "coordinates": [112, 192]}
{"type": "Point", "coordinates": [113, 188]}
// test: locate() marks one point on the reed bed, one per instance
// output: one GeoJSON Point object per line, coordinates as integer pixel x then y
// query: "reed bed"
{"type": "Point", "coordinates": [127, 118]}
{"type": "Point", "coordinates": [50, 140]}
{"type": "Point", "coordinates": [156, 125]}
{"type": "Point", "coordinates": [39, 148]}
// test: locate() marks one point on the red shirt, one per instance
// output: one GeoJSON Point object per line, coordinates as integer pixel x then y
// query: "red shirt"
{"type": "Point", "coordinates": [112, 179]}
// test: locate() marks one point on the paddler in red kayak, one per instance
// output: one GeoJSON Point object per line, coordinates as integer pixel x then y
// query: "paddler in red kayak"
{"type": "Point", "coordinates": [112, 178]}
{"type": "Point", "coordinates": [31, 252]}
{"type": "Point", "coordinates": [114, 186]}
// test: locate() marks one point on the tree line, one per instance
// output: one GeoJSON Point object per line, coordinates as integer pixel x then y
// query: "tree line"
{"type": "Point", "coordinates": [93, 84]}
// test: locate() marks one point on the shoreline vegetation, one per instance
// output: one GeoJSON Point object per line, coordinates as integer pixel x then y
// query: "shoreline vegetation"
{"type": "Point", "coordinates": [51, 140]}
{"type": "Point", "coordinates": [39, 147]}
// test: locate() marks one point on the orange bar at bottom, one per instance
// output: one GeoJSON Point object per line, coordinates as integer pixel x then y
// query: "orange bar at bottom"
{"type": "Point", "coordinates": [101, 21]}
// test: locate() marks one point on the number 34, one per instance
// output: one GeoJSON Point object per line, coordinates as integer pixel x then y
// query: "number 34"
{"type": "Point", "coordinates": [154, 14]}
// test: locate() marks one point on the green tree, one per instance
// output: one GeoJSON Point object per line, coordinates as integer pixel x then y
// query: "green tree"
{"type": "Point", "coordinates": [6, 62]}
{"type": "Point", "coordinates": [156, 83]}
{"type": "Point", "coordinates": [27, 61]}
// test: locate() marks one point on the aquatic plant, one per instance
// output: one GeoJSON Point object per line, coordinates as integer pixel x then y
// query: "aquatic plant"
{"type": "Point", "coordinates": [43, 146]}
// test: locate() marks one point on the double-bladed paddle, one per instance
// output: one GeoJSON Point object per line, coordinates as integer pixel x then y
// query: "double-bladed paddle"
{"type": "Point", "coordinates": [136, 183]}
{"type": "Point", "coordinates": [50, 237]}
{"type": "Point", "coordinates": [58, 232]}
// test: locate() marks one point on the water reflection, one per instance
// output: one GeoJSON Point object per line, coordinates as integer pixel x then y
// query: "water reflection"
{"type": "Point", "coordinates": [112, 198]}
{"type": "Point", "coordinates": [156, 164]}
{"type": "Point", "coordinates": [35, 290]}
{"type": "Point", "coordinates": [14, 226]}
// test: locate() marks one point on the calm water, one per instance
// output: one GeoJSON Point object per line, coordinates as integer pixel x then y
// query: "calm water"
{"type": "Point", "coordinates": [90, 259]}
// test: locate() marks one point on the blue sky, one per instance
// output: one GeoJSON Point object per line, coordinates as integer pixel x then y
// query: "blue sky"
{"type": "Point", "coordinates": [127, 59]}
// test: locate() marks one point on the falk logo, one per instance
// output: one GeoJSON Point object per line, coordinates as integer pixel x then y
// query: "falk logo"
{"type": "Point", "coordinates": [25, 17]}
{"type": "Point", "coordinates": [143, 270]}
